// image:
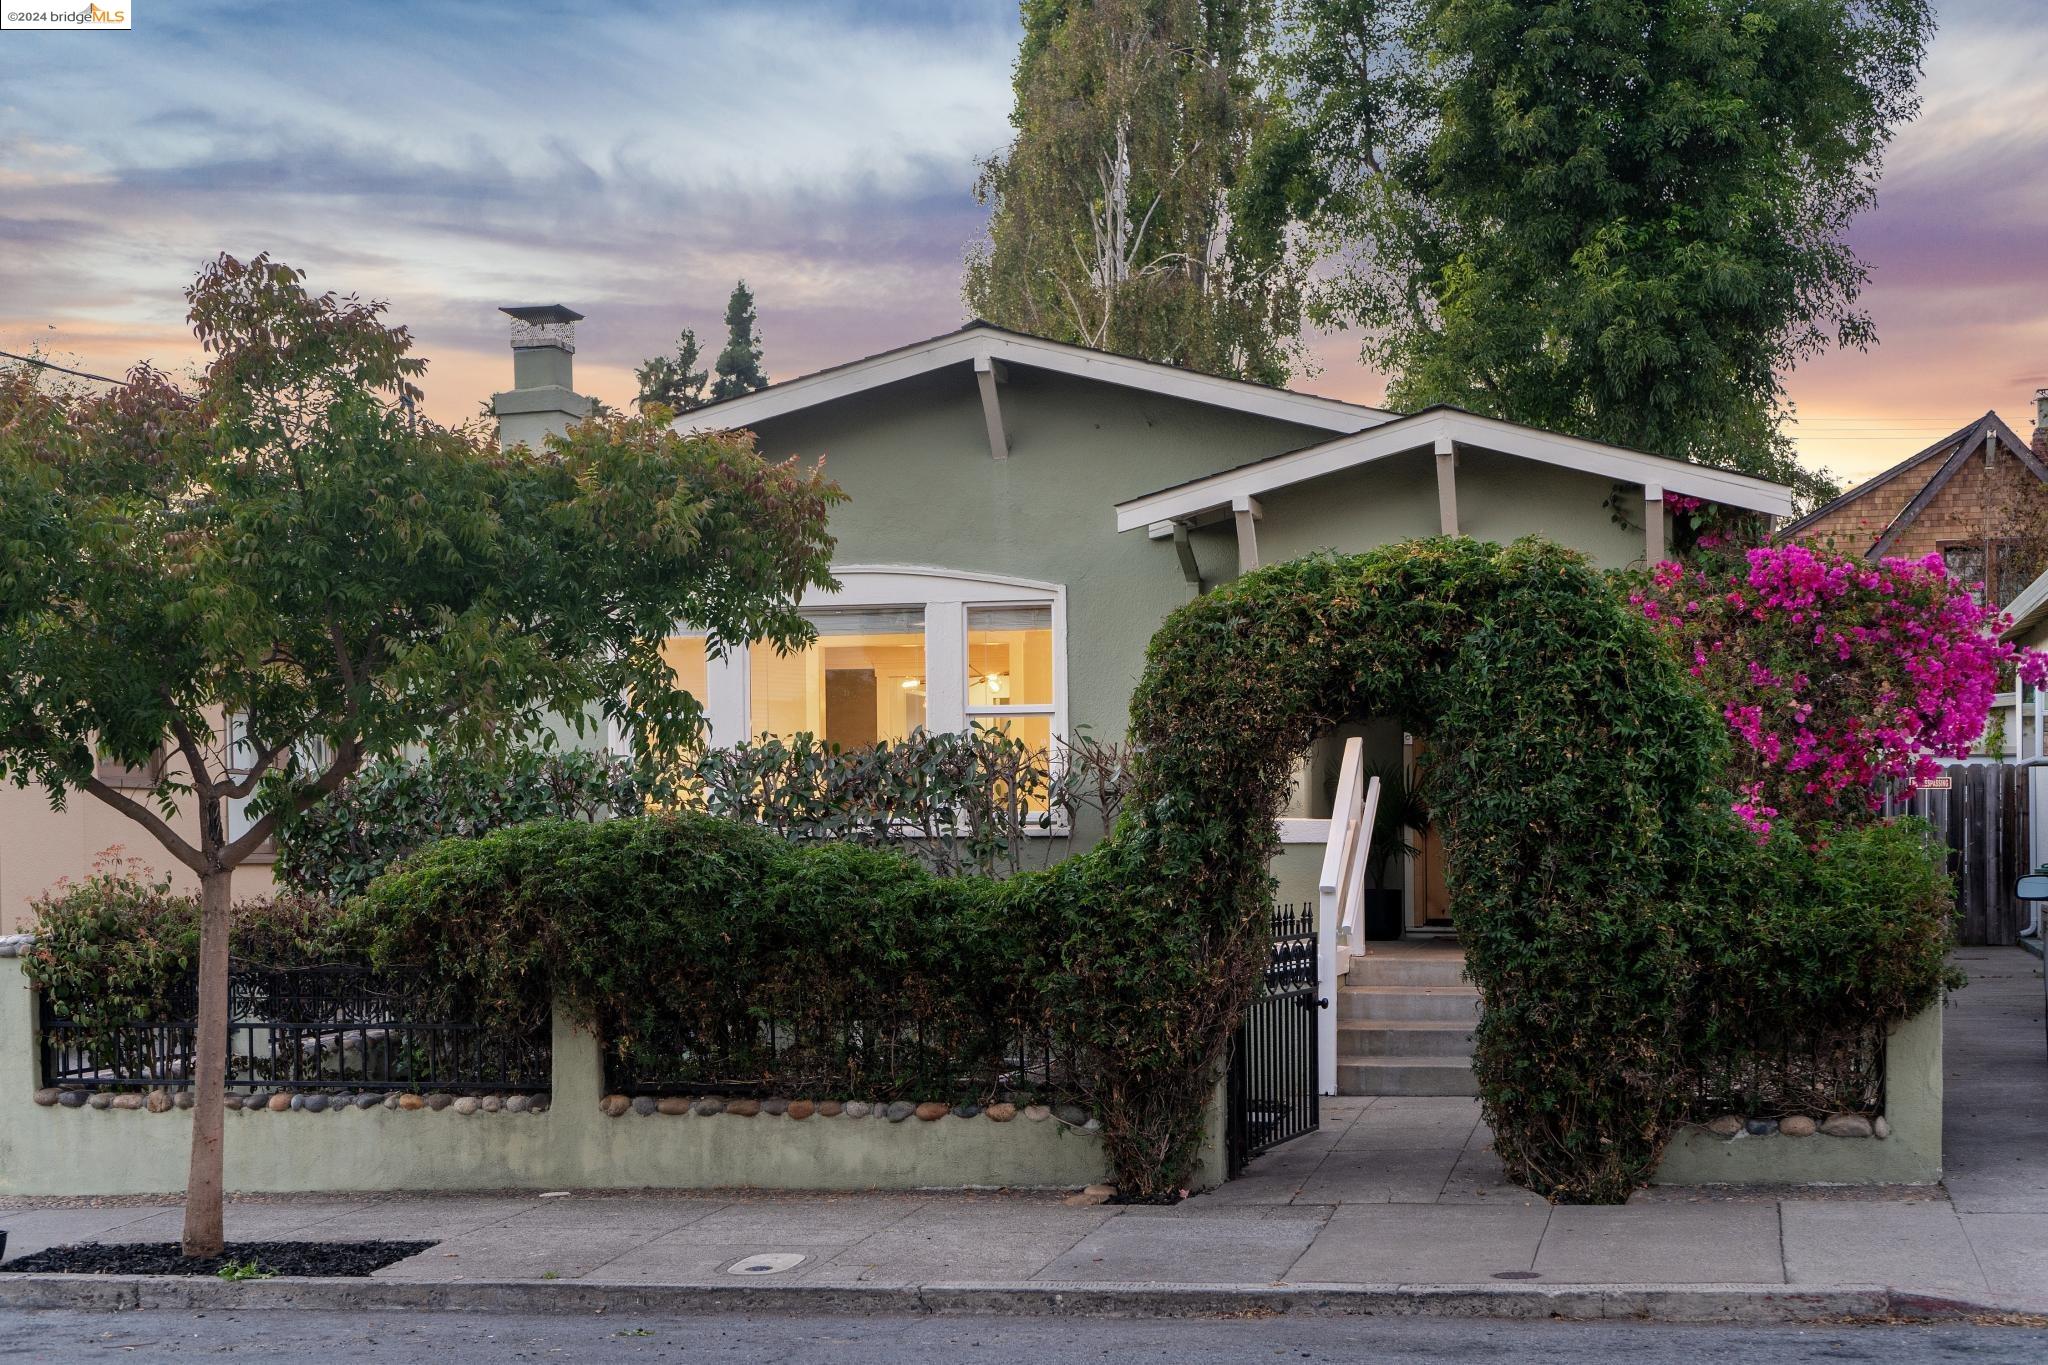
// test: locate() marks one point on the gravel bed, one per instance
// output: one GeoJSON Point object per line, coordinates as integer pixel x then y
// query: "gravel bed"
{"type": "Point", "coordinates": [349, 1260]}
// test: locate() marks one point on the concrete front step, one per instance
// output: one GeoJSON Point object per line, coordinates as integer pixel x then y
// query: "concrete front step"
{"type": "Point", "coordinates": [1406, 1076]}
{"type": "Point", "coordinates": [1441, 1004]}
{"type": "Point", "coordinates": [1403, 1038]}
{"type": "Point", "coordinates": [1442, 968]}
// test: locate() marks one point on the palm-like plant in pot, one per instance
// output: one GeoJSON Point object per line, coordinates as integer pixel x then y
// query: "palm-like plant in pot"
{"type": "Point", "coordinates": [1402, 810]}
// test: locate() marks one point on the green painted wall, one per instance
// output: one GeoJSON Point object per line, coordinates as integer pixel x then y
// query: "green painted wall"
{"type": "Point", "coordinates": [914, 458]}
{"type": "Point", "coordinates": [1499, 498]}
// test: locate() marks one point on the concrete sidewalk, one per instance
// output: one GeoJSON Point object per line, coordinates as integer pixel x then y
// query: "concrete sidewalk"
{"type": "Point", "coordinates": [1395, 1201]}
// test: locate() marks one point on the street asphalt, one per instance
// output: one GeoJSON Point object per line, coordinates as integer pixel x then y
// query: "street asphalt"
{"type": "Point", "coordinates": [463, 1339]}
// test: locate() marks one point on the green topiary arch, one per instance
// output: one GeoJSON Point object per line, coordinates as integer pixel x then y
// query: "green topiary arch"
{"type": "Point", "coordinates": [1577, 799]}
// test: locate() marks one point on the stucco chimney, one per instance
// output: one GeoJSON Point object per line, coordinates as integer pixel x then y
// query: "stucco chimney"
{"type": "Point", "coordinates": [543, 400]}
{"type": "Point", "coordinates": [2041, 423]}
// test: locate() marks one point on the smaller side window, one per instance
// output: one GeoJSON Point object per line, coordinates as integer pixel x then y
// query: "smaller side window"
{"type": "Point", "coordinates": [1010, 671]}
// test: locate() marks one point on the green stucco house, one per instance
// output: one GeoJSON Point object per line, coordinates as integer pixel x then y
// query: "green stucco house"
{"type": "Point", "coordinates": [1022, 514]}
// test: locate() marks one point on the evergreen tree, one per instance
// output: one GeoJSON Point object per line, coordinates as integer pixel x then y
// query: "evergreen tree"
{"type": "Point", "coordinates": [1617, 218]}
{"type": "Point", "coordinates": [1119, 218]}
{"type": "Point", "coordinates": [674, 380]}
{"type": "Point", "coordinates": [739, 364]}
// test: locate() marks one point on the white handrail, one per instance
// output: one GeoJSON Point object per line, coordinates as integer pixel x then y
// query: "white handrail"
{"type": "Point", "coordinates": [1354, 920]}
{"type": "Point", "coordinates": [1340, 891]}
{"type": "Point", "coordinates": [1343, 817]}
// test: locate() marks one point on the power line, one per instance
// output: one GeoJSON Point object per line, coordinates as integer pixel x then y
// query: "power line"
{"type": "Point", "coordinates": [63, 369]}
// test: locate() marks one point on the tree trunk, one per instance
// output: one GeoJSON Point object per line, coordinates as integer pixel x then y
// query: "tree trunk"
{"type": "Point", "coordinates": [203, 1235]}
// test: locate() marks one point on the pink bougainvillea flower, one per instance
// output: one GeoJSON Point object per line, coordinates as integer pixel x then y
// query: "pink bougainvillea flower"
{"type": "Point", "coordinates": [1838, 679]}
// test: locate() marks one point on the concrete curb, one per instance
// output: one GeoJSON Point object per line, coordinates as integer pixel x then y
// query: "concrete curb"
{"type": "Point", "coordinates": [1658, 1303]}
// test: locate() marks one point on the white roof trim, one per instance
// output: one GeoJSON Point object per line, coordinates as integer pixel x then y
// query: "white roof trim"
{"type": "Point", "coordinates": [979, 345]}
{"type": "Point", "coordinates": [2025, 607]}
{"type": "Point", "coordinates": [1422, 432]}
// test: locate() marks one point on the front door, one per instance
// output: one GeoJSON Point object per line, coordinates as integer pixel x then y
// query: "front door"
{"type": "Point", "coordinates": [1427, 897]}
{"type": "Point", "coordinates": [1429, 908]}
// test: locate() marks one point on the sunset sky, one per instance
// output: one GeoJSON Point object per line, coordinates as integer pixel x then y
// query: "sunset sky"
{"type": "Point", "coordinates": [632, 160]}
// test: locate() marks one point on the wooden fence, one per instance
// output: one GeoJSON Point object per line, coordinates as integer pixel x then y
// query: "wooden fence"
{"type": "Point", "coordinates": [1982, 816]}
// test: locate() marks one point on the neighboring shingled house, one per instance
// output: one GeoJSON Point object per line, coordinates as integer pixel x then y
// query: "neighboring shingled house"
{"type": "Point", "coordinates": [1970, 497]}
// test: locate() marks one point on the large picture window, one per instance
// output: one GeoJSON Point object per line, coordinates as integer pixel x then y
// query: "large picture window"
{"type": "Point", "coordinates": [863, 681]}
{"type": "Point", "coordinates": [897, 649]}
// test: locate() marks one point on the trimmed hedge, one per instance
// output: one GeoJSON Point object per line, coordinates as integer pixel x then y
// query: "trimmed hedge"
{"type": "Point", "coordinates": [1576, 791]}
{"type": "Point", "coordinates": [396, 806]}
{"type": "Point", "coordinates": [683, 937]}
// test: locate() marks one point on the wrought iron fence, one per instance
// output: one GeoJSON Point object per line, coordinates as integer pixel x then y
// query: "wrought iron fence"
{"type": "Point", "coordinates": [754, 1050]}
{"type": "Point", "coordinates": [1272, 1096]}
{"type": "Point", "coordinates": [330, 1028]}
{"type": "Point", "coordinates": [1839, 1071]}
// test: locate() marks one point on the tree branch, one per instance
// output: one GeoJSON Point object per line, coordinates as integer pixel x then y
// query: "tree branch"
{"type": "Point", "coordinates": [347, 759]}
{"type": "Point", "coordinates": [151, 821]}
{"type": "Point", "coordinates": [195, 757]}
{"type": "Point", "coordinates": [235, 791]}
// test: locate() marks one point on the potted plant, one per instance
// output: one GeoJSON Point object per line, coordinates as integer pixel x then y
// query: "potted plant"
{"type": "Point", "coordinates": [1401, 809]}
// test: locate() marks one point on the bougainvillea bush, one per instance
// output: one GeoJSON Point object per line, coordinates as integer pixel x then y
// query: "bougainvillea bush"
{"type": "Point", "coordinates": [1838, 678]}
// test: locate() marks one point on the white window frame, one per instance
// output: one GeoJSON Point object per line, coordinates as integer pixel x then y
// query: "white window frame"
{"type": "Point", "coordinates": [944, 595]}
{"type": "Point", "coordinates": [972, 713]}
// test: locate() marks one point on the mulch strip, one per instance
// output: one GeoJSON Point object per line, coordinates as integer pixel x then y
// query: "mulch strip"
{"type": "Point", "coordinates": [348, 1260]}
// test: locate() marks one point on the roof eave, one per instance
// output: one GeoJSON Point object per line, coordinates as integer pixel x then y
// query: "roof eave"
{"type": "Point", "coordinates": [1422, 431]}
{"type": "Point", "coordinates": [984, 341]}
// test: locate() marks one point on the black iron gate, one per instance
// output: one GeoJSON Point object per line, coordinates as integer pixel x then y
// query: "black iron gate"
{"type": "Point", "coordinates": [1273, 1060]}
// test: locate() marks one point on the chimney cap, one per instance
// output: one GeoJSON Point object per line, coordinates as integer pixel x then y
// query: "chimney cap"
{"type": "Point", "coordinates": [542, 314]}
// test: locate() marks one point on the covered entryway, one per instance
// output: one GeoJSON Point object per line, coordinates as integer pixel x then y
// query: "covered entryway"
{"type": "Point", "coordinates": [1404, 1010]}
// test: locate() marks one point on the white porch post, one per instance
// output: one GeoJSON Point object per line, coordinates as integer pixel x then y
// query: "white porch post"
{"type": "Point", "coordinates": [1245, 511]}
{"type": "Point", "coordinates": [1654, 551]}
{"type": "Point", "coordinates": [1447, 485]}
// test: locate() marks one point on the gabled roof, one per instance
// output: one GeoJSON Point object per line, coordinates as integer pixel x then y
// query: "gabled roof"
{"type": "Point", "coordinates": [1943, 459]}
{"type": "Point", "coordinates": [985, 342]}
{"type": "Point", "coordinates": [1452, 427]}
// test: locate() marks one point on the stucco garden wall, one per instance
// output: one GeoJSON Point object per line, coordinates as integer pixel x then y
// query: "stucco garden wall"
{"type": "Point", "coordinates": [573, 1144]}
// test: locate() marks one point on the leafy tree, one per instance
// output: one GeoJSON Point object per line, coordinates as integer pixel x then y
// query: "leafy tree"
{"type": "Point", "coordinates": [739, 364]}
{"type": "Point", "coordinates": [1120, 215]}
{"type": "Point", "coordinates": [249, 590]}
{"type": "Point", "coordinates": [674, 381]}
{"type": "Point", "coordinates": [1616, 218]}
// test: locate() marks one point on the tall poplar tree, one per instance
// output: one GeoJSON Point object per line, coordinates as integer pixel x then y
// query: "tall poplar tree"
{"type": "Point", "coordinates": [1119, 214]}
{"type": "Point", "coordinates": [1618, 218]}
{"type": "Point", "coordinates": [739, 364]}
